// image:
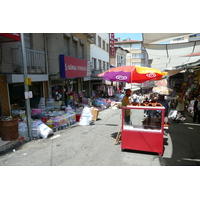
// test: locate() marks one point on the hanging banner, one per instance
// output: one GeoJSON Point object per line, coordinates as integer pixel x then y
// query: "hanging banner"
{"type": "Point", "coordinates": [112, 44]}
{"type": "Point", "coordinates": [71, 67]}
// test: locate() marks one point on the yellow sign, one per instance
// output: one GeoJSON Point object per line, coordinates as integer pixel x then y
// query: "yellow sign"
{"type": "Point", "coordinates": [28, 81]}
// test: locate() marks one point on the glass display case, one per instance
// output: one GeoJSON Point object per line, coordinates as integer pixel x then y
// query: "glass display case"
{"type": "Point", "coordinates": [143, 128]}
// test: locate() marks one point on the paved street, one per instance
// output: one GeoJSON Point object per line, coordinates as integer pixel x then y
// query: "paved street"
{"type": "Point", "coordinates": [94, 146]}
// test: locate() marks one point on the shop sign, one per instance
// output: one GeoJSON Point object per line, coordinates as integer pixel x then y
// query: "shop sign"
{"type": "Point", "coordinates": [71, 67]}
{"type": "Point", "coordinates": [9, 37]}
{"type": "Point", "coordinates": [112, 44]}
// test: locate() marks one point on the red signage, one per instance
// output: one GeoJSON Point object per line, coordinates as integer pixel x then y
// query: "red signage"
{"type": "Point", "coordinates": [9, 37]}
{"type": "Point", "coordinates": [112, 44]}
{"type": "Point", "coordinates": [71, 67]}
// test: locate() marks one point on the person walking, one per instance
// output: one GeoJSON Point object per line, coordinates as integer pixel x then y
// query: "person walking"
{"type": "Point", "coordinates": [164, 102]}
{"type": "Point", "coordinates": [126, 101]}
{"type": "Point", "coordinates": [181, 104]}
{"type": "Point", "coordinates": [197, 110]}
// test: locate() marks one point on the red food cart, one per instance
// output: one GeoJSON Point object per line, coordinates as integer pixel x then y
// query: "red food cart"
{"type": "Point", "coordinates": [144, 129]}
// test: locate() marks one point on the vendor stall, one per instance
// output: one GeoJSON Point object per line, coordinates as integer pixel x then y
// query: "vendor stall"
{"type": "Point", "coordinates": [143, 128]}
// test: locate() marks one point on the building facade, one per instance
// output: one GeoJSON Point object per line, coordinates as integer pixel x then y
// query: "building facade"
{"type": "Point", "coordinates": [69, 65]}
{"type": "Point", "coordinates": [100, 59]}
{"type": "Point", "coordinates": [119, 58]}
{"type": "Point", "coordinates": [56, 64]}
{"type": "Point", "coordinates": [11, 71]}
{"type": "Point", "coordinates": [137, 54]}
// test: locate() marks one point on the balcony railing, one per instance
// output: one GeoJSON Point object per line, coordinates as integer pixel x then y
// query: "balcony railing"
{"type": "Point", "coordinates": [35, 61]}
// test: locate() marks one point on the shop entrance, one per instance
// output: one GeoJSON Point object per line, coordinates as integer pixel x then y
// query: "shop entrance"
{"type": "Point", "coordinates": [16, 92]}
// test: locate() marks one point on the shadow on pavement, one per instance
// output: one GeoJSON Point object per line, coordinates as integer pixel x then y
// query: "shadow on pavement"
{"type": "Point", "coordinates": [185, 147]}
{"type": "Point", "coordinates": [114, 135]}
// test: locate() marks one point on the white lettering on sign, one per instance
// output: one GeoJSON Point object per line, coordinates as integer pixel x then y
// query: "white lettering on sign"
{"type": "Point", "coordinates": [82, 68]}
{"type": "Point", "coordinates": [119, 77]}
{"type": "Point", "coordinates": [151, 75]}
{"type": "Point", "coordinates": [73, 67]}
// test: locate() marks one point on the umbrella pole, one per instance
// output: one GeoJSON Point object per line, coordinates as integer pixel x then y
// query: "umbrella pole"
{"type": "Point", "coordinates": [131, 81]}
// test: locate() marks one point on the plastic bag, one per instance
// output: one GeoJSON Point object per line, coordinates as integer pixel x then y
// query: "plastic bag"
{"type": "Point", "coordinates": [68, 109]}
{"type": "Point", "coordinates": [23, 131]}
{"type": "Point", "coordinates": [34, 130]}
{"type": "Point", "coordinates": [44, 130]}
{"type": "Point", "coordinates": [172, 114]}
{"type": "Point", "coordinates": [86, 117]}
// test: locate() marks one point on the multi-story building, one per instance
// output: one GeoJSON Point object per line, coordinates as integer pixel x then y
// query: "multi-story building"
{"type": "Point", "coordinates": [69, 63]}
{"type": "Point", "coordinates": [99, 56]}
{"type": "Point", "coordinates": [119, 58]}
{"type": "Point", "coordinates": [56, 63]}
{"type": "Point", "coordinates": [137, 54]}
{"type": "Point", "coordinates": [189, 38]}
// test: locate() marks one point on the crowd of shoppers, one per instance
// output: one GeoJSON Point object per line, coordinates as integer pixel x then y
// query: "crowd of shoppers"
{"type": "Point", "coordinates": [179, 103]}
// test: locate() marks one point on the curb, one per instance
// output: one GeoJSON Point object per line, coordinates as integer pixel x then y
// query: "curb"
{"type": "Point", "coordinates": [9, 145]}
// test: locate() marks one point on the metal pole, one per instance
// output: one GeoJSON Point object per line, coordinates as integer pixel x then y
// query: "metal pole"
{"type": "Point", "coordinates": [26, 87]}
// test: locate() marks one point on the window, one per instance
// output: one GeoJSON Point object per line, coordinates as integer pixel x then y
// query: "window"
{"type": "Point", "coordinates": [99, 41]}
{"type": "Point", "coordinates": [99, 66]}
{"type": "Point", "coordinates": [123, 60]}
{"type": "Point", "coordinates": [125, 46]}
{"type": "Point", "coordinates": [104, 45]}
{"type": "Point", "coordinates": [82, 51]}
{"type": "Point", "coordinates": [195, 35]}
{"type": "Point", "coordinates": [177, 39]}
{"type": "Point", "coordinates": [104, 65]}
{"type": "Point", "coordinates": [136, 46]}
{"type": "Point", "coordinates": [107, 66]}
{"type": "Point", "coordinates": [107, 47]}
{"type": "Point", "coordinates": [138, 55]}
{"type": "Point", "coordinates": [74, 48]}
{"type": "Point", "coordinates": [94, 63]}
{"type": "Point", "coordinates": [136, 63]}
{"type": "Point", "coordinates": [66, 46]}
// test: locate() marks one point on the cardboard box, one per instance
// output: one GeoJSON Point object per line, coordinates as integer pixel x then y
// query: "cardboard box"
{"type": "Point", "coordinates": [95, 113]}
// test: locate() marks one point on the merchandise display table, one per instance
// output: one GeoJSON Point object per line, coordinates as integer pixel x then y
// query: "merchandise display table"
{"type": "Point", "coordinates": [144, 129]}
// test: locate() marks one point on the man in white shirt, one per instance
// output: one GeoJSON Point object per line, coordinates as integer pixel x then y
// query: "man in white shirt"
{"type": "Point", "coordinates": [134, 97]}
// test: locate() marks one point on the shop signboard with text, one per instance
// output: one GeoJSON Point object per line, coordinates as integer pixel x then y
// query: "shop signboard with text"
{"type": "Point", "coordinates": [71, 67]}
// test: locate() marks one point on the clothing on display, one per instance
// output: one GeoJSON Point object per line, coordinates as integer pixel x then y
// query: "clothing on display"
{"type": "Point", "coordinates": [110, 91]}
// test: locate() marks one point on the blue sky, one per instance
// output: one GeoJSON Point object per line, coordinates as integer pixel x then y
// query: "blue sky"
{"type": "Point", "coordinates": [132, 36]}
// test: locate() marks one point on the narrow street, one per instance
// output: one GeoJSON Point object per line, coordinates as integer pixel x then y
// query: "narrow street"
{"type": "Point", "coordinates": [94, 146]}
